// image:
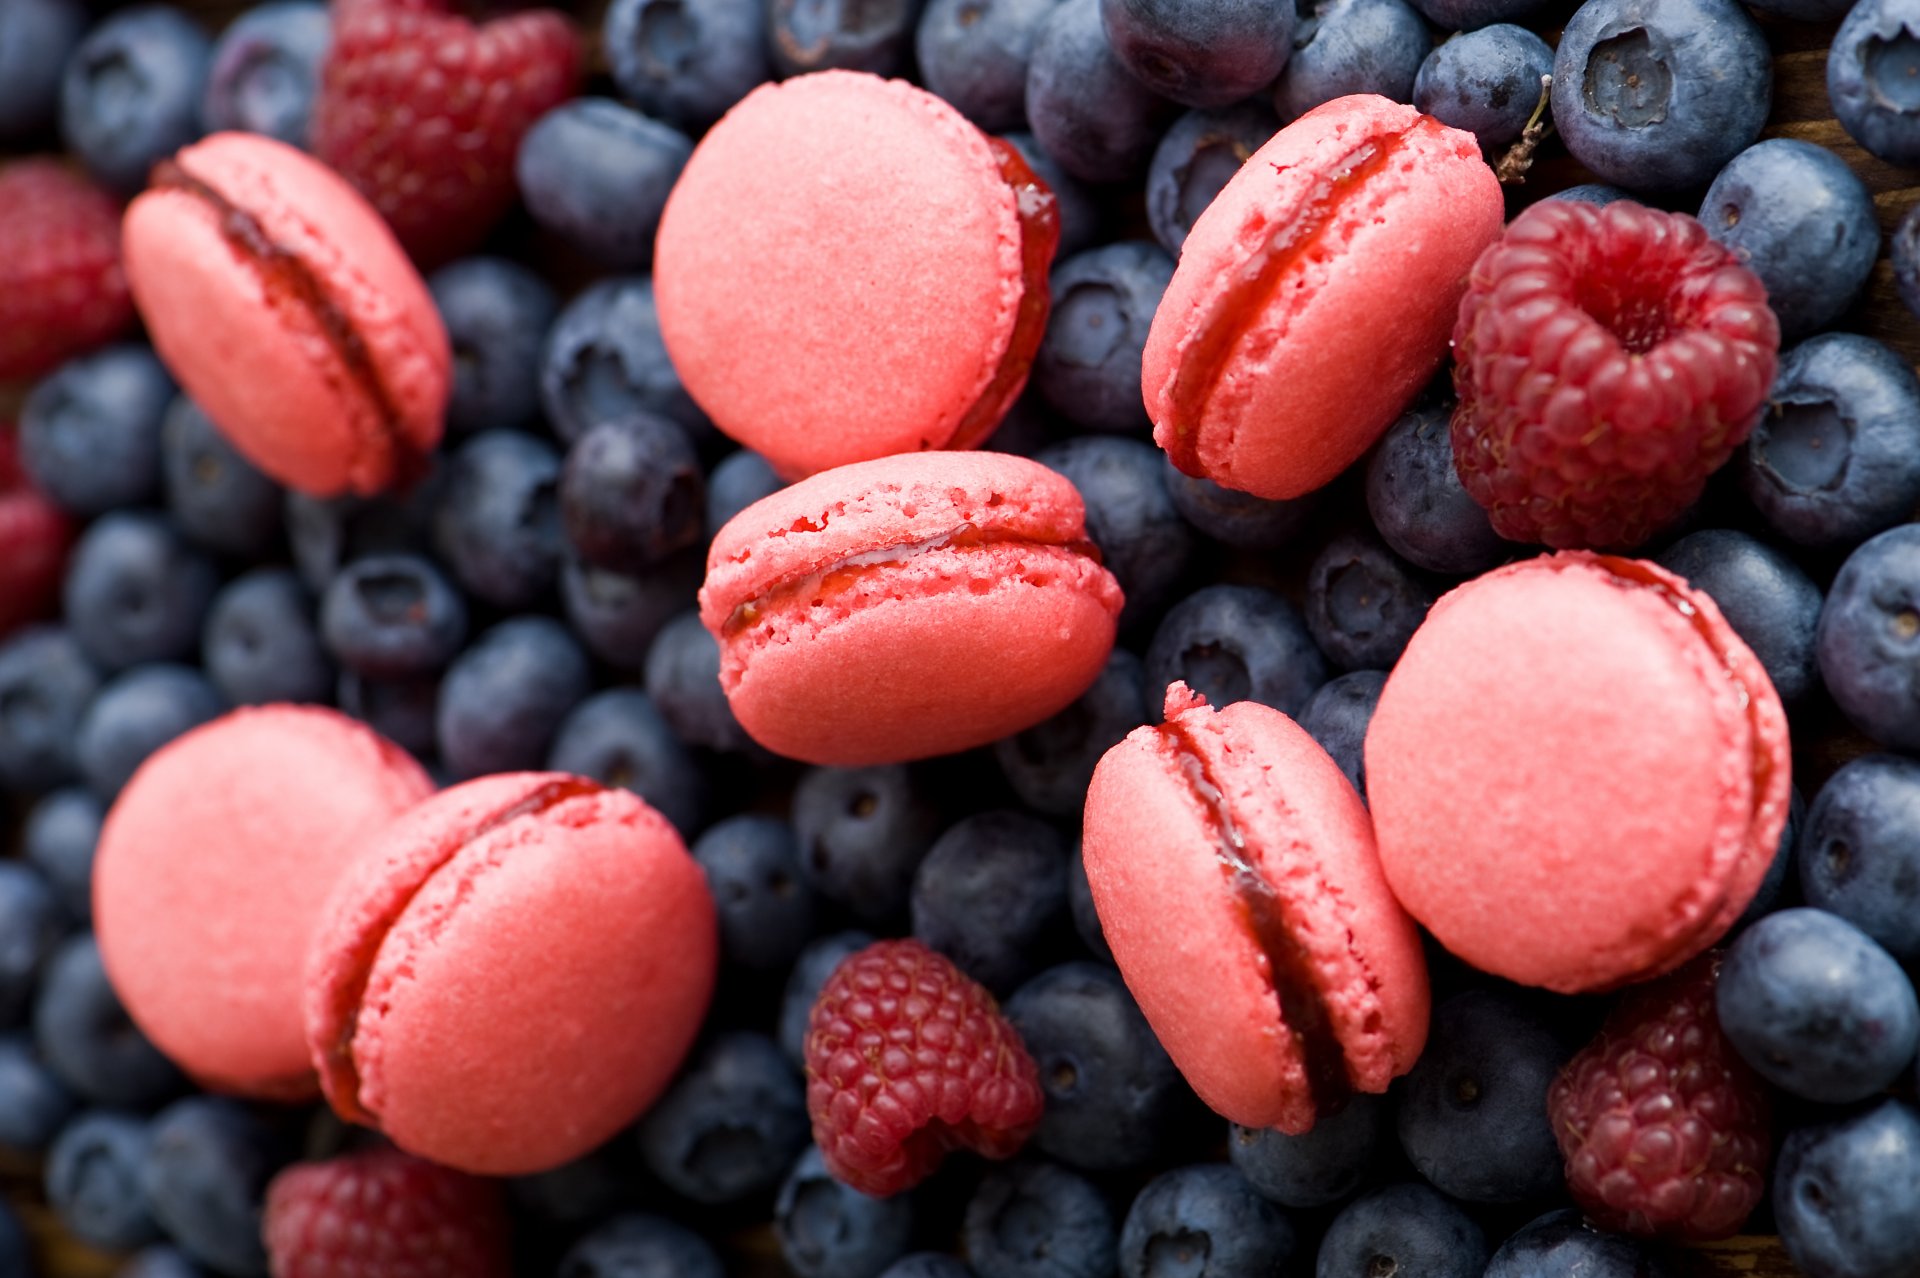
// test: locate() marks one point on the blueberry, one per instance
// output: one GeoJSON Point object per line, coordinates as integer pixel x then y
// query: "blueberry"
{"type": "Point", "coordinates": [631, 493]}
{"type": "Point", "coordinates": [974, 53]}
{"type": "Point", "coordinates": [1765, 597]}
{"type": "Point", "coordinates": [1657, 95]}
{"type": "Point", "coordinates": [34, 1106]}
{"type": "Point", "coordinates": [1130, 516]}
{"type": "Point", "coordinates": [136, 592]}
{"type": "Point", "coordinates": [683, 678]}
{"type": "Point", "coordinates": [504, 698]}
{"type": "Point", "coordinates": [617, 737]}
{"type": "Point", "coordinates": [1843, 1194]}
{"type": "Point", "coordinates": [93, 1180]}
{"type": "Point", "coordinates": [1871, 81]}
{"type": "Point", "coordinates": [216, 496]}
{"type": "Point", "coordinates": [1363, 603]}
{"type": "Point", "coordinates": [1238, 519]}
{"type": "Point", "coordinates": [731, 1124]}
{"type": "Point", "coordinates": [1407, 1228]}
{"type": "Point", "coordinates": [848, 35]}
{"type": "Point", "coordinates": [1817, 1008]}
{"type": "Point", "coordinates": [1201, 53]}
{"type": "Point", "coordinates": [640, 1246]}
{"type": "Point", "coordinates": [928, 1264]}
{"type": "Point", "coordinates": [596, 174]}
{"type": "Point", "coordinates": [1237, 643]}
{"type": "Point", "coordinates": [136, 713]}
{"type": "Point", "coordinates": [863, 832]}
{"type": "Point", "coordinates": [83, 1035]}
{"type": "Point", "coordinates": [61, 832]}
{"type": "Point", "coordinates": [32, 925]}
{"type": "Point", "coordinates": [1316, 1169]}
{"type": "Point", "coordinates": [604, 361]}
{"type": "Point", "coordinates": [1112, 1093]}
{"type": "Point", "coordinates": [766, 910]}
{"type": "Point", "coordinates": [1086, 109]}
{"type": "Point", "coordinates": [1050, 764]}
{"type": "Point", "coordinates": [266, 70]}
{"type": "Point", "coordinates": [36, 38]}
{"type": "Point", "coordinates": [991, 894]}
{"type": "Point", "coordinates": [829, 1231]}
{"type": "Point", "coordinates": [1904, 250]}
{"type": "Point", "coordinates": [401, 710]}
{"type": "Point", "coordinates": [1039, 1220]}
{"type": "Point", "coordinates": [46, 685]}
{"type": "Point", "coordinates": [1561, 1243]}
{"type": "Point", "coordinates": [130, 95]}
{"type": "Point", "coordinates": [1469, 15]}
{"type": "Point", "coordinates": [260, 643]}
{"type": "Point", "coordinates": [496, 523]}
{"type": "Point", "coordinates": [618, 616]}
{"type": "Point", "coordinates": [497, 314]}
{"type": "Point", "coordinates": [687, 60]}
{"type": "Point", "coordinates": [1207, 1213]}
{"type": "Point", "coordinates": [391, 616]}
{"type": "Point", "coordinates": [1088, 366]}
{"type": "Point", "coordinates": [1337, 717]}
{"type": "Point", "coordinates": [327, 535]}
{"type": "Point", "coordinates": [589, 1188]}
{"type": "Point", "coordinates": [1486, 81]}
{"type": "Point", "coordinates": [1773, 886]}
{"type": "Point", "coordinates": [1198, 156]}
{"type": "Point", "coordinates": [205, 1174]}
{"type": "Point", "coordinates": [90, 430]}
{"type": "Point", "coordinates": [16, 1258]}
{"type": "Point", "coordinates": [810, 971]}
{"type": "Point", "coordinates": [1806, 10]}
{"type": "Point", "coordinates": [1836, 455]}
{"type": "Point", "coordinates": [1869, 639]}
{"type": "Point", "coordinates": [1419, 505]}
{"type": "Point", "coordinates": [159, 1262]}
{"type": "Point", "coordinates": [1352, 46]}
{"type": "Point", "coordinates": [1860, 856]}
{"type": "Point", "coordinates": [1598, 194]}
{"type": "Point", "coordinates": [1082, 211]}
{"type": "Point", "coordinates": [1086, 919]}
{"type": "Point", "coordinates": [1473, 1111]}
{"type": "Point", "coordinates": [740, 479]}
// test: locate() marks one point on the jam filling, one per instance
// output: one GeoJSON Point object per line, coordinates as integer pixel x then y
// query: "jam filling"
{"type": "Point", "coordinates": [1303, 1013]}
{"type": "Point", "coordinates": [844, 575]}
{"type": "Point", "coordinates": [1039, 215]}
{"type": "Point", "coordinates": [1256, 285]}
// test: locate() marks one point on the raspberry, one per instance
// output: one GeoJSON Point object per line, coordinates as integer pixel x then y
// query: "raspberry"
{"type": "Point", "coordinates": [62, 292]}
{"type": "Point", "coordinates": [908, 1058]}
{"type": "Point", "coordinates": [1663, 1126]}
{"type": "Point", "coordinates": [1607, 361]}
{"type": "Point", "coordinates": [384, 1214]}
{"type": "Point", "coordinates": [34, 537]}
{"type": "Point", "coordinates": [423, 112]}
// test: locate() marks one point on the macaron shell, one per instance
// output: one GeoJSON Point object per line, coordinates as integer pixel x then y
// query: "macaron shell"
{"type": "Point", "coordinates": [1562, 774]}
{"type": "Point", "coordinates": [1362, 322]}
{"type": "Point", "coordinates": [839, 270]}
{"type": "Point", "coordinates": [212, 871]}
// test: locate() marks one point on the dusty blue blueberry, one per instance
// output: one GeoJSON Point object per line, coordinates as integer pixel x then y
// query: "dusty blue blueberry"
{"type": "Point", "coordinates": [1200, 53]}
{"type": "Point", "coordinates": [497, 313]}
{"type": "Point", "coordinates": [1087, 110]}
{"type": "Point", "coordinates": [740, 479]}
{"type": "Point", "coordinates": [1086, 918]}
{"type": "Point", "coordinates": [974, 53]}
{"type": "Point", "coordinates": [618, 738]}
{"type": "Point", "coordinates": [596, 174]}
{"type": "Point", "coordinates": [1769, 601]}
{"type": "Point", "coordinates": [34, 1105]}
{"type": "Point", "coordinates": [827, 1230]}
{"type": "Point", "coordinates": [1238, 519]}
{"type": "Point", "coordinates": [62, 831]}
{"type": "Point", "coordinates": [130, 94]}
{"type": "Point", "coordinates": [687, 60]}
{"type": "Point", "coordinates": [1209, 1210]}
{"type": "Point", "coordinates": [605, 361]}
{"type": "Point", "coordinates": [1050, 764]}
{"type": "Point", "coordinates": [160, 1262]}
{"type": "Point", "coordinates": [1785, 853]}
{"type": "Point", "coordinates": [1844, 1190]}
{"type": "Point", "coordinates": [1237, 643]}
{"type": "Point", "coordinates": [261, 644]}
{"type": "Point", "coordinates": [402, 710]}
{"type": "Point", "coordinates": [1353, 46]}
{"type": "Point", "coordinates": [1872, 81]}
{"type": "Point", "coordinates": [496, 518]}
{"type": "Point", "coordinates": [1130, 516]}
{"type": "Point", "coordinates": [135, 591]}
{"type": "Point", "coordinates": [1869, 639]}
{"type": "Point", "coordinates": [1860, 855]}
{"type": "Point", "coordinates": [36, 38]}
{"type": "Point", "coordinates": [93, 1180]}
{"type": "Point", "coordinates": [208, 1160]}
{"type": "Point", "coordinates": [731, 1124]}
{"type": "Point", "coordinates": [765, 908]}
{"type": "Point", "coordinates": [1337, 717]}
{"type": "Point", "coordinates": [1561, 1243]}
{"type": "Point", "coordinates": [618, 616]}
{"type": "Point", "coordinates": [266, 70]}
{"type": "Point", "coordinates": [1088, 366]}
{"type": "Point", "coordinates": [1409, 1228]}
{"type": "Point", "coordinates": [631, 493]}
{"type": "Point", "coordinates": [137, 712]}
{"type": "Point", "coordinates": [1039, 1220]}
{"type": "Point", "coordinates": [991, 895]}
{"type": "Point", "coordinates": [810, 971]}
{"type": "Point", "coordinates": [325, 535]}
{"type": "Point", "coordinates": [1198, 156]}
{"type": "Point", "coordinates": [1469, 15]}
{"type": "Point", "coordinates": [392, 616]}
{"type": "Point", "coordinates": [1082, 210]}
{"type": "Point", "coordinates": [1486, 81]}
{"type": "Point", "coordinates": [1904, 250]}
{"type": "Point", "coordinates": [682, 675]}
{"type": "Point", "coordinates": [86, 1040]}
{"type": "Point", "coordinates": [504, 698]}
{"type": "Point", "coordinates": [217, 497]}
{"type": "Point", "coordinates": [863, 833]}
{"type": "Point", "coordinates": [1319, 1167]}
{"type": "Point", "coordinates": [640, 1246]}
{"type": "Point", "coordinates": [849, 35]}
{"type": "Point", "coordinates": [90, 430]}
{"type": "Point", "coordinates": [1364, 603]}
{"type": "Point", "coordinates": [32, 925]}
{"type": "Point", "coordinates": [1419, 505]}
{"type": "Point", "coordinates": [46, 684]}
{"type": "Point", "coordinates": [1595, 193]}
{"type": "Point", "coordinates": [590, 1188]}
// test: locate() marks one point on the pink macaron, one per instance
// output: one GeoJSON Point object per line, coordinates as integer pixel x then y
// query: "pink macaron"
{"type": "Point", "coordinates": [1578, 772]}
{"type": "Point", "coordinates": [848, 268]}
{"type": "Point", "coordinates": [210, 875]}
{"type": "Point", "coordinates": [907, 607]}
{"type": "Point", "coordinates": [1316, 295]}
{"type": "Point", "coordinates": [1232, 865]}
{"type": "Point", "coordinates": [511, 972]}
{"type": "Point", "coordinates": [285, 307]}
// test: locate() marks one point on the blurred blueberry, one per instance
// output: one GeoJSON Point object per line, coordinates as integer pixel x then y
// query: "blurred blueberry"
{"type": "Point", "coordinates": [93, 1180]}
{"type": "Point", "coordinates": [1337, 717]}
{"type": "Point", "coordinates": [1485, 81]}
{"type": "Point", "coordinates": [135, 591]}
{"type": "Point", "coordinates": [61, 832]}
{"type": "Point", "coordinates": [36, 38]}
{"type": "Point", "coordinates": [208, 1160]}
{"type": "Point", "coordinates": [974, 53]}
{"type": "Point", "coordinates": [1130, 515]}
{"type": "Point", "coordinates": [1657, 95]}
{"type": "Point", "coordinates": [589, 1188]}
{"type": "Point", "coordinates": [739, 480]}
{"type": "Point", "coordinates": [1236, 643]}
{"type": "Point", "coordinates": [216, 496]}
{"type": "Point", "coordinates": [1363, 603]}
{"type": "Point", "coordinates": [639, 1246]}
{"type": "Point", "coordinates": [1869, 639]}
{"type": "Point", "coordinates": [731, 1124]}
{"type": "Point", "coordinates": [1086, 109]}
{"type": "Point", "coordinates": [260, 643]}
{"type": "Point", "coordinates": [683, 678]}
{"type": "Point", "coordinates": [1050, 764]}
{"type": "Point", "coordinates": [90, 430]}
{"type": "Point", "coordinates": [1200, 53]}
{"type": "Point", "coordinates": [1198, 156]}
{"type": "Point", "coordinates": [928, 1264]}
{"type": "Point", "coordinates": [1774, 885]}
{"type": "Point", "coordinates": [496, 524]}
{"type": "Point", "coordinates": [810, 971]}
{"type": "Point", "coordinates": [503, 699]}
{"type": "Point", "coordinates": [1598, 194]}
{"type": "Point", "coordinates": [136, 713]}
{"type": "Point", "coordinates": [32, 925]}
{"type": "Point", "coordinates": [1844, 1190]}
{"type": "Point", "coordinates": [1871, 81]}
{"type": "Point", "coordinates": [130, 95]}
{"type": "Point", "coordinates": [1112, 1093]}
{"type": "Point", "coordinates": [1419, 505]}
{"type": "Point", "coordinates": [1082, 211]}
{"type": "Point", "coordinates": [83, 1035]}
{"type": "Point", "coordinates": [1766, 598]}
{"type": "Point", "coordinates": [1208, 1210]}
{"type": "Point", "coordinates": [596, 174]}
{"type": "Point", "coordinates": [1088, 366]}
{"type": "Point", "coordinates": [687, 60]}
{"type": "Point", "coordinates": [1320, 1167]}
{"type": "Point", "coordinates": [1409, 1228]}
{"type": "Point", "coordinates": [752, 864]}
{"type": "Point", "coordinates": [1352, 46]}
{"type": "Point", "coordinates": [1039, 1220]}
{"type": "Point", "coordinates": [159, 1262]}
{"type": "Point", "coordinates": [325, 535]}
{"type": "Point", "coordinates": [402, 710]}
{"type": "Point", "coordinates": [1238, 519]}
{"type": "Point", "coordinates": [1469, 15]}
{"type": "Point", "coordinates": [992, 896]}
{"type": "Point", "coordinates": [266, 70]}
{"type": "Point", "coordinates": [497, 314]}
{"type": "Point", "coordinates": [16, 1257]}
{"type": "Point", "coordinates": [1904, 250]}
{"type": "Point", "coordinates": [1860, 856]}
{"type": "Point", "coordinates": [1561, 1242]}
{"type": "Point", "coordinates": [34, 1106]}
{"type": "Point", "coordinates": [863, 833]}
{"type": "Point", "coordinates": [829, 1231]}
{"type": "Point", "coordinates": [391, 616]}
{"type": "Point", "coordinates": [848, 35]}
{"type": "Point", "coordinates": [631, 493]}
{"type": "Point", "coordinates": [46, 685]}
{"type": "Point", "coordinates": [1086, 919]}
{"type": "Point", "coordinates": [618, 616]}
{"type": "Point", "coordinates": [617, 737]}
{"type": "Point", "coordinates": [604, 361]}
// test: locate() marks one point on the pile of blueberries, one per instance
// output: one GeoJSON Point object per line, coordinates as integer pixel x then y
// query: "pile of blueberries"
{"type": "Point", "coordinates": [530, 604]}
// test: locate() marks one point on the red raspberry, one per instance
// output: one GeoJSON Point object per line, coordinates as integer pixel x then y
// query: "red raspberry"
{"type": "Point", "coordinates": [1663, 1126]}
{"type": "Point", "coordinates": [908, 1058]}
{"type": "Point", "coordinates": [1607, 361]}
{"type": "Point", "coordinates": [34, 537]}
{"type": "Point", "coordinates": [61, 288]}
{"type": "Point", "coordinates": [423, 111]}
{"type": "Point", "coordinates": [385, 1214]}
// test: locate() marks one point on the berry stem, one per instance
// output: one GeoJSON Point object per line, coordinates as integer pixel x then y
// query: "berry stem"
{"type": "Point", "coordinates": [1513, 166]}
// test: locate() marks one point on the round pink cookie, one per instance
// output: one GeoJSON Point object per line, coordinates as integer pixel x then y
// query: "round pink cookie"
{"type": "Point", "coordinates": [907, 607]}
{"type": "Point", "coordinates": [1316, 295]}
{"type": "Point", "coordinates": [848, 268]}
{"type": "Point", "coordinates": [1233, 869]}
{"type": "Point", "coordinates": [511, 972]}
{"type": "Point", "coordinates": [1578, 772]}
{"type": "Point", "coordinates": [210, 875]}
{"type": "Point", "coordinates": [284, 306]}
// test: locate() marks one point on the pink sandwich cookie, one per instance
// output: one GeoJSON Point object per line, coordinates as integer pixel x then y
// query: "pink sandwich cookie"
{"type": "Point", "coordinates": [907, 607]}
{"type": "Point", "coordinates": [511, 972]}
{"type": "Point", "coordinates": [210, 876]}
{"type": "Point", "coordinates": [848, 268]}
{"type": "Point", "coordinates": [1578, 772]}
{"type": "Point", "coordinates": [1233, 869]}
{"type": "Point", "coordinates": [284, 306]}
{"type": "Point", "coordinates": [1316, 295]}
